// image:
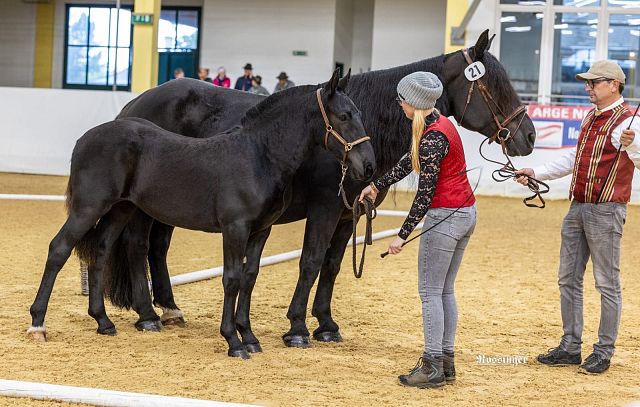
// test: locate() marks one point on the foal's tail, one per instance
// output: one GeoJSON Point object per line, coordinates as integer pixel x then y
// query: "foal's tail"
{"type": "Point", "coordinates": [118, 285]}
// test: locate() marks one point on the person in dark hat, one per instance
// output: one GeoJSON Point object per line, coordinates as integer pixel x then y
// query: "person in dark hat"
{"type": "Point", "coordinates": [283, 82]}
{"type": "Point", "coordinates": [244, 82]}
{"type": "Point", "coordinates": [257, 88]}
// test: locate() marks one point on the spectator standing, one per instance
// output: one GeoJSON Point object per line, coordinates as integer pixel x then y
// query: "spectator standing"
{"type": "Point", "coordinates": [222, 79]}
{"type": "Point", "coordinates": [256, 86]}
{"type": "Point", "coordinates": [203, 75]}
{"type": "Point", "coordinates": [178, 73]}
{"type": "Point", "coordinates": [283, 82]}
{"type": "Point", "coordinates": [244, 82]}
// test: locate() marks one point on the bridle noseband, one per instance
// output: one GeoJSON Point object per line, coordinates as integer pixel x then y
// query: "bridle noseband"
{"type": "Point", "coordinates": [502, 134]}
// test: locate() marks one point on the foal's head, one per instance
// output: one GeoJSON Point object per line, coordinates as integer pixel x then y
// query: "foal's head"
{"type": "Point", "coordinates": [345, 121]}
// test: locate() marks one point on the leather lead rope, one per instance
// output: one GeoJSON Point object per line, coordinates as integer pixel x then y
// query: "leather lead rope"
{"type": "Point", "coordinates": [358, 209]}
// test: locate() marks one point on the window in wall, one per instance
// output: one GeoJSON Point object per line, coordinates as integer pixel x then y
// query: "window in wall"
{"type": "Point", "coordinates": [520, 50]}
{"type": "Point", "coordinates": [574, 51]}
{"type": "Point", "coordinates": [178, 41]}
{"type": "Point", "coordinates": [97, 47]}
{"type": "Point", "coordinates": [624, 48]}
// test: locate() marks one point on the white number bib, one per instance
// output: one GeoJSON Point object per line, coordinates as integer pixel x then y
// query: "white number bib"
{"type": "Point", "coordinates": [475, 71]}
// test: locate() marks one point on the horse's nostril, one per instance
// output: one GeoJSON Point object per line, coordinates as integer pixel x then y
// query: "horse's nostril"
{"type": "Point", "coordinates": [532, 137]}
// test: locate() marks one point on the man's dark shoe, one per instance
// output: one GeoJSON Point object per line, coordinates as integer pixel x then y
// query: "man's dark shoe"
{"type": "Point", "coordinates": [559, 357]}
{"type": "Point", "coordinates": [428, 373]}
{"type": "Point", "coordinates": [448, 367]}
{"type": "Point", "coordinates": [595, 364]}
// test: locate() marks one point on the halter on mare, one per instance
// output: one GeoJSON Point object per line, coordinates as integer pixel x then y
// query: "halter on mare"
{"type": "Point", "coordinates": [503, 136]}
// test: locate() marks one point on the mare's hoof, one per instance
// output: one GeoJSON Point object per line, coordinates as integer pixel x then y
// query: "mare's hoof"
{"type": "Point", "coordinates": [327, 336]}
{"type": "Point", "coordinates": [149, 326]}
{"type": "Point", "coordinates": [297, 341]}
{"type": "Point", "coordinates": [109, 331]}
{"type": "Point", "coordinates": [38, 334]}
{"type": "Point", "coordinates": [239, 353]}
{"type": "Point", "coordinates": [172, 317]}
{"type": "Point", "coordinates": [252, 347]}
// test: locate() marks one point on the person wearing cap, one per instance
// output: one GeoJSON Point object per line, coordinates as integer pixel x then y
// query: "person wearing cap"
{"type": "Point", "coordinates": [283, 82]}
{"type": "Point", "coordinates": [222, 79]}
{"type": "Point", "coordinates": [446, 198]}
{"type": "Point", "coordinates": [244, 82]}
{"type": "Point", "coordinates": [257, 88]}
{"type": "Point", "coordinates": [602, 167]}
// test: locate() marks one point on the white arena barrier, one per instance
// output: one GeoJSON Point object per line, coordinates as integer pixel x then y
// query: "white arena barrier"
{"type": "Point", "coordinates": [22, 197]}
{"type": "Point", "coordinates": [100, 397]}
{"type": "Point", "coordinates": [206, 274]}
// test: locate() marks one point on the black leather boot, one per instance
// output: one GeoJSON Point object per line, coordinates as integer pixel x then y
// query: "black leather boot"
{"type": "Point", "coordinates": [428, 373]}
{"type": "Point", "coordinates": [449, 367]}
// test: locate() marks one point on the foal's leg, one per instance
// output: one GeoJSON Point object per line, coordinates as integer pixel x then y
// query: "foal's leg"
{"type": "Point", "coordinates": [247, 282]}
{"type": "Point", "coordinates": [317, 236]}
{"type": "Point", "coordinates": [108, 229]}
{"type": "Point", "coordinates": [78, 223]}
{"type": "Point", "coordinates": [159, 241]}
{"type": "Point", "coordinates": [136, 234]}
{"type": "Point", "coordinates": [234, 243]}
{"type": "Point", "coordinates": [328, 331]}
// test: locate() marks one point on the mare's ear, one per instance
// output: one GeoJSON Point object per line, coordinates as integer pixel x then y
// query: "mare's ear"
{"type": "Point", "coordinates": [490, 42]}
{"type": "Point", "coordinates": [342, 84]}
{"type": "Point", "coordinates": [332, 85]}
{"type": "Point", "coordinates": [481, 45]}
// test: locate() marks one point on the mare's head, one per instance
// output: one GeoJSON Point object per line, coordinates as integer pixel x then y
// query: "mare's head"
{"type": "Point", "coordinates": [346, 137]}
{"type": "Point", "coordinates": [497, 112]}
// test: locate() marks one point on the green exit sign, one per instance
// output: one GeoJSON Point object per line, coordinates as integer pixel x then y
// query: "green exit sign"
{"type": "Point", "coordinates": [142, 19]}
{"type": "Point", "coordinates": [298, 53]}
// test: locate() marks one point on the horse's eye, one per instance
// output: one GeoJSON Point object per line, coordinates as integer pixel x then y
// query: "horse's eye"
{"type": "Point", "coordinates": [344, 116]}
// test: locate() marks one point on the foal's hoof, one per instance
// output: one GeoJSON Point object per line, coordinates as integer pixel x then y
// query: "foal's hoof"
{"type": "Point", "coordinates": [252, 347]}
{"type": "Point", "coordinates": [149, 326]}
{"type": "Point", "coordinates": [109, 331]}
{"type": "Point", "coordinates": [327, 336]}
{"type": "Point", "coordinates": [239, 353]}
{"type": "Point", "coordinates": [297, 341]}
{"type": "Point", "coordinates": [38, 334]}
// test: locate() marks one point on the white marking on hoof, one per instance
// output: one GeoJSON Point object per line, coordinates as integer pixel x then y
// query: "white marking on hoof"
{"type": "Point", "coordinates": [171, 314]}
{"type": "Point", "coordinates": [38, 333]}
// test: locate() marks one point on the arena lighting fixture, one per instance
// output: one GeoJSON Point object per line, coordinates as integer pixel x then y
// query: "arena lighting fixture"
{"type": "Point", "coordinates": [633, 21]}
{"type": "Point", "coordinates": [566, 32]}
{"type": "Point", "coordinates": [593, 21]}
{"type": "Point", "coordinates": [593, 34]}
{"type": "Point", "coordinates": [635, 33]}
{"type": "Point", "coordinates": [509, 19]}
{"type": "Point", "coordinates": [625, 3]}
{"type": "Point", "coordinates": [523, 29]}
{"type": "Point", "coordinates": [560, 26]}
{"type": "Point", "coordinates": [539, 16]}
{"type": "Point", "coordinates": [532, 3]}
{"type": "Point", "coordinates": [632, 55]}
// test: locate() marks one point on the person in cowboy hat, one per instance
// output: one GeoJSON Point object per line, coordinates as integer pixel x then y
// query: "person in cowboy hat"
{"type": "Point", "coordinates": [602, 166]}
{"type": "Point", "coordinates": [244, 82]}
{"type": "Point", "coordinates": [447, 202]}
{"type": "Point", "coordinates": [257, 88]}
{"type": "Point", "coordinates": [283, 82]}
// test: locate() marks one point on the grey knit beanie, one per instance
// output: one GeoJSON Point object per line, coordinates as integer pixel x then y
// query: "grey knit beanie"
{"type": "Point", "coordinates": [420, 89]}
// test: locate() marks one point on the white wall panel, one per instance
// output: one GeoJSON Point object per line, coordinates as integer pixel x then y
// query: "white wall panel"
{"type": "Point", "coordinates": [405, 31]}
{"type": "Point", "coordinates": [343, 43]}
{"type": "Point", "coordinates": [362, 35]}
{"type": "Point", "coordinates": [17, 44]}
{"type": "Point", "coordinates": [265, 33]}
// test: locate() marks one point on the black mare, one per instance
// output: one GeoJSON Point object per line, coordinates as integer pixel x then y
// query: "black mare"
{"type": "Point", "coordinates": [193, 108]}
{"type": "Point", "coordinates": [237, 183]}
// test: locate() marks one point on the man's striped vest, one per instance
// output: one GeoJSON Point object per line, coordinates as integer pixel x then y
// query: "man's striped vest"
{"type": "Point", "coordinates": [594, 157]}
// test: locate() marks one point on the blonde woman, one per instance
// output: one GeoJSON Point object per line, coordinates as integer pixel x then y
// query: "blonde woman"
{"type": "Point", "coordinates": [437, 156]}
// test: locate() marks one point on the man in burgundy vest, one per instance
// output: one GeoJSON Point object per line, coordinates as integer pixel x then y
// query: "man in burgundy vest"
{"type": "Point", "coordinates": [600, 190]}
